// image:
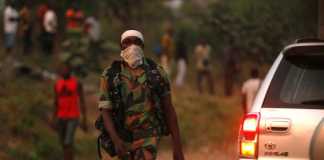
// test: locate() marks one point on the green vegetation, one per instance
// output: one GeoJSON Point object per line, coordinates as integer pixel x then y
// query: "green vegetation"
{"type": "Point", "coordinates": [25, 111]}
{"type": "Point", "coordinates": [259, 28]}
{"type": "Point", "coordinates": [254, 24]}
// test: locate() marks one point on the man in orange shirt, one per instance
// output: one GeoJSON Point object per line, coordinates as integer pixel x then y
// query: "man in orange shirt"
{"type": "Point", "coordinates": [167, 44]}
{"type": "Point", "coordinates": [75, 56]}
{"type": "Point", "coordinates": [74, 20]}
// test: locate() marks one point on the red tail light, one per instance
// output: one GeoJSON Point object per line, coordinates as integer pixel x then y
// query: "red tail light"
{"type": "Point", "coordinates": [249, 136]}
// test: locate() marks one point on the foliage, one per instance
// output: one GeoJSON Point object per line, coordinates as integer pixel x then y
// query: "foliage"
{"type": "Point", "coordinates": [257, 27]}
{"type": "Point", "coordinates": [26, 121]}
{"type": "Point", "coordinates": [260, 28]}
{"type": "Point", "coordinates": [255, 24]}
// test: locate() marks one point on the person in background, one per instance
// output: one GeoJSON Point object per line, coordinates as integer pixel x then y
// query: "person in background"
{"type": "Point", "coordinates": [167, 44]}
{"type": "Point", "coordinates": [26, 28]}
{"type": "Point", "coordinates": [250, 89]}
{"type": "Point", "coordinates": [50, 28]}
{"type": "Point", "coordinates": [74, 21]}
{"type": "Point", "coordinates": [69, 104]}
{"type": "Point", "coordinates": [75, 48]}
{"type": "Point", "coordinates": [11, 20]}
{"type": "Point", "coordinates": [182, 59]}
{"type": "Point", "coordinates": [41, 10]}
{"type": "Point", "coordinates": [93, 30]}
{"type": "Point", "coordinates": [202, 56]}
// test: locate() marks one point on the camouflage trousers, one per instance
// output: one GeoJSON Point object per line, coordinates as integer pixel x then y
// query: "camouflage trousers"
{"type": "Point", "coordinates": [142, 149]}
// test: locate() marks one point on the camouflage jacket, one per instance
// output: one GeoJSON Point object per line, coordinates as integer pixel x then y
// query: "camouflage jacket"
{"type": "Point", "coordinates": [140, 104]}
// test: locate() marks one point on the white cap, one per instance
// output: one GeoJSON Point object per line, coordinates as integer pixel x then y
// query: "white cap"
{"type": "Point", "coordinates": [132, 33]}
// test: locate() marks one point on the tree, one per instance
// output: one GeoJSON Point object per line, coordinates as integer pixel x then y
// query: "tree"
{"type": "Point", "coordinates": [133, 13]}
{"type": "Point", "coordinates": [321, 19]}
{"type": "Point", "coordinates": [261, 24]}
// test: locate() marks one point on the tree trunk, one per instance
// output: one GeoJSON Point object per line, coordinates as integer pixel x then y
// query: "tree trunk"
{"type": "Point", "coordinates": [321, 19]}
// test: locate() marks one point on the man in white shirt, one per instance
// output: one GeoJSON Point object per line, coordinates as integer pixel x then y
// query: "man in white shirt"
{"type": "Point", "coordinates": [93, 30]}
{"type": "Point", "coordinates": [250, 89]}
{"type": "Point", "coordinates": [50, 26]}
{"type": "Point", "coordinates": [11, 18]}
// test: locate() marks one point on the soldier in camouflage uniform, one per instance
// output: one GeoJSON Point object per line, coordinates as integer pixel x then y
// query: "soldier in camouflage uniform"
{"type": "Point", "coordinates": [140, 118]}
{"type": "Point", "coordinates": [75, 44]}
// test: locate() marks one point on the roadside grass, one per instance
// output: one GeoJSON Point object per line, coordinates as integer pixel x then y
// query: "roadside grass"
{"type": "Point", "coordinates": [25, 110]}
{"type": "Point", "coordinates": [205, 120]}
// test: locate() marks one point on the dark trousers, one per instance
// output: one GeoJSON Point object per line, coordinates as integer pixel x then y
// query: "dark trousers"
{"type": "Point", "coordinates": [205, 74]}
{"type": "Point", "coordinates": [27, 38]}
{"type": "Point", "coordinates": [66, 130]}
{"type": "Point", "coordinates": [48, 42]}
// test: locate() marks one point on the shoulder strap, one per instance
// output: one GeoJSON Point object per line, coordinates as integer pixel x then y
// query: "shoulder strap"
{"type": "Point", "coordinates": [113, 71]}
{"type": "Point", "coordinates": [151, 64]}
{"type": "Point", "coordinates": [113, 74]}
{"type": "Point", "coordinates": [156, 83]}
{"type": "Point", "coordinates": [154, 77]}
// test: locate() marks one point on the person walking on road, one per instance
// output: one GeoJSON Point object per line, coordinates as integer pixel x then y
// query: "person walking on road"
{"type": "Point", "coordinates": [26, 26]}
{"type": "Point", "coordinates": [11, 20]}
{"type": "Point", "coordinates": [250, 89]}
{"type": "Point", "coordinates": [41, 11]}
{"type": "Point", "coordinates": [75, 53]}
{"type": "Point", "coordinates": [69, 104]}
{"type": "Point", "coordinates": [50, 26]}
{"type": "Point", "coordinates": [182, 59]}
{"type": "Point", "coordinates": [74, 17]}
{"type": "Point", "coordinates": [138, 88]}
{"type": "Point", "coordinates": [202, 56]}
{"type": "Point", "coordinates": [93, 30]}
{"type": "Point", "coordinates": [167, 44]}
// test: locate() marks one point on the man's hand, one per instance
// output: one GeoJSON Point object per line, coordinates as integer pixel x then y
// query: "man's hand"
{"type": "Point", "coordinates": [121, 147]}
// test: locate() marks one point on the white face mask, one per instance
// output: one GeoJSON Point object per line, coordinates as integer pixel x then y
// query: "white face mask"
{"type": "Point", "coordinates": [133, 56]}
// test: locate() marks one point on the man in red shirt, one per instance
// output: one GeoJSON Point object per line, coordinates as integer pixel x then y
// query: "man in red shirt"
{"type": "Point", "coordinates": [69, 103]}
{"type": "Point", "coordinates": [74, 19]}
{"type": "Point", "coordinates": [41, 12]}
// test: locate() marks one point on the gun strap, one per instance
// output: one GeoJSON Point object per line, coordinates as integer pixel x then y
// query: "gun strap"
{"type": "Point", "coordinates": [112, 75]}
{"type": "Point", "coordinates": [99, 147]}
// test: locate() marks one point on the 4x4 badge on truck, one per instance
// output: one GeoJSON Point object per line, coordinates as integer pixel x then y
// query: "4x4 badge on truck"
{"type": "Point", "coordinates": [270, 146]}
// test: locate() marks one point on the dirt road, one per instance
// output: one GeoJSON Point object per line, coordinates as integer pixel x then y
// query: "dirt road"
{"type": "Point", "coordinates": [212, 151]}
{"type": "Point", "coordinates": [204, 153]}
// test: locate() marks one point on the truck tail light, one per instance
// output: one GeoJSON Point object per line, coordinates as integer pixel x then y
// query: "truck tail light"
{"type": "Point", "coordinates": [248, 138]}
